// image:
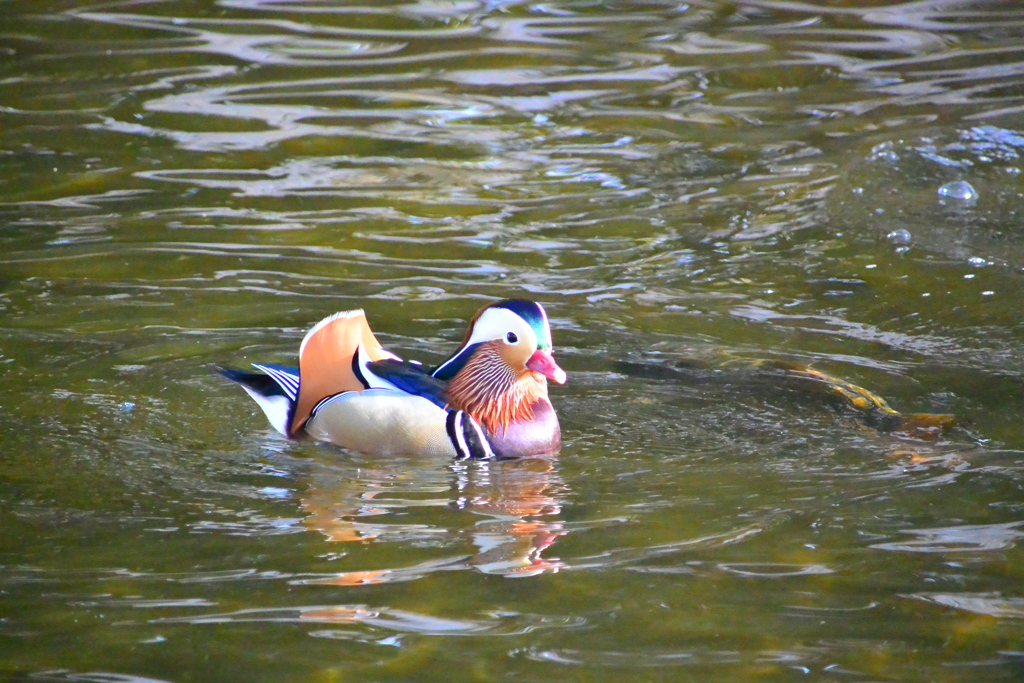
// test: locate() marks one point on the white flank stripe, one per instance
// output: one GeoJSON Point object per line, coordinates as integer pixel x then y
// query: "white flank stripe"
{"type": "Point", "coordinates": [483, 439]}
{"type": "Point", "coordinates": [460, 437]}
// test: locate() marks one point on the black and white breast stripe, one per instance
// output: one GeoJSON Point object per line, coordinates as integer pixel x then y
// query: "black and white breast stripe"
{"type": "Point", "coordinates": [468, 437]}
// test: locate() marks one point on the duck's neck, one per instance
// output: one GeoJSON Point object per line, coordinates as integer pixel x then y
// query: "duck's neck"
{"type": "Point", "coordinates": [495, 394]}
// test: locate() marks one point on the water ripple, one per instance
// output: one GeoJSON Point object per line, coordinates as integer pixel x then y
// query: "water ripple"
{"type": "Point", "coordinates": [193, 183]}
{"type": "Point", "coordinates": [989, 604]}
{"type": "Point", "coordinates": [399, 621]}
{"type": "Point", "coordinates": [65, 676]}
{"type": "Point", "coordinates": [958, 539]}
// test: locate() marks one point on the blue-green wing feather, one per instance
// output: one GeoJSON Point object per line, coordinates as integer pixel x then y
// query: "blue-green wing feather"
{"type": "Point", "coordinates": [411, 378]}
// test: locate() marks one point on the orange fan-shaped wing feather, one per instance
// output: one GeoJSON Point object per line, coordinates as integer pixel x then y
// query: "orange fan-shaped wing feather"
{"type": "Point", "coordinates": [325, 360]}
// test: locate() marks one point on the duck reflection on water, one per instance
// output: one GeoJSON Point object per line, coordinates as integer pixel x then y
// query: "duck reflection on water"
{"type": "Point", "coordinates": [513, 511]}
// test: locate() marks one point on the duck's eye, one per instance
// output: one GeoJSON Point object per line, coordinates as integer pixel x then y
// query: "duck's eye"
{"type": "Point", "coordinates": [511, 338]}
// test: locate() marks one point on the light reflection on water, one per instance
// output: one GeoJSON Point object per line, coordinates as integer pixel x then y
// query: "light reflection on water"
{"type": "Point", "coordinates": [184, 185]}
{"type": "Point", "coordinates": [510, 502]}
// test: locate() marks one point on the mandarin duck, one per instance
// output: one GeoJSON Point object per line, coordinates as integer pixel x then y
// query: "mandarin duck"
{"type": "Point", "coordinates": [488, 399]}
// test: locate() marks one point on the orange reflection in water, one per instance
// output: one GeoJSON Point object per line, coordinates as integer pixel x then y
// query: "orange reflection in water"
{"type": "Point", "coordinates": [507, 510]}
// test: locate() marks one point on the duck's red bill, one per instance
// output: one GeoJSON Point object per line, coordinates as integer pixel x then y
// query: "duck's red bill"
{"type": "Point", "coordinates": [544, 363]}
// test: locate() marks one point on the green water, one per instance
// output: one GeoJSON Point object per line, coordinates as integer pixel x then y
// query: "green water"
{"type": "Point", "coordinates": [183, 184]}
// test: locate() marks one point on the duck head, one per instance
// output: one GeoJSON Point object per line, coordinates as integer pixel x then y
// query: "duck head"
{"type": "Point", "coordinates": [499, 374]}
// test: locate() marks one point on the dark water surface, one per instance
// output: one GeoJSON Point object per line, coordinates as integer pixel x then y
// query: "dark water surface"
{"type": "Point", "coordinates": [183, 183]}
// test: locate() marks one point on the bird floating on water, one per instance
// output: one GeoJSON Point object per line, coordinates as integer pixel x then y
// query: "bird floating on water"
{"type": "Point", "coordinates": [488, 399]}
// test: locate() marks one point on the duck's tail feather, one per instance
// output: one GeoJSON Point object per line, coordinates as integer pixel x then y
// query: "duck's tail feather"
{"type": "Point", "coordinates": [274, 390]}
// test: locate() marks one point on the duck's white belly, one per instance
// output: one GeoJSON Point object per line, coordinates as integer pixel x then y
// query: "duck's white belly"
{"type": "Point", "coordinates": [382, 422]}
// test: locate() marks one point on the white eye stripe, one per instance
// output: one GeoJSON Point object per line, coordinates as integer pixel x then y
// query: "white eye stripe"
{"type": "Point", "coordinates": [496, 323]}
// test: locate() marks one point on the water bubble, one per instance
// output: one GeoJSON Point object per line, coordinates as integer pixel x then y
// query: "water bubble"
{"type": "Point", "coordinates": [899, 238]}
{"type": "Point", "coordinates": [959, 190]}
{"type": "Point", "coordinates": [884, 153]}
{"type": "Point", "coordinates": [126, 407]}
{"type": "Point", "coordinates": [978, 262]}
